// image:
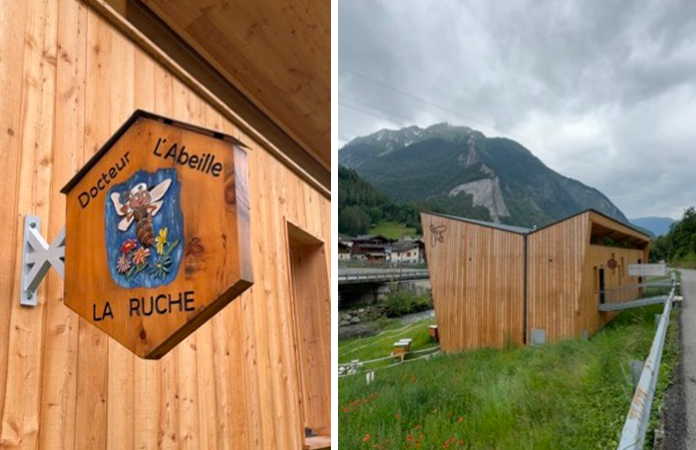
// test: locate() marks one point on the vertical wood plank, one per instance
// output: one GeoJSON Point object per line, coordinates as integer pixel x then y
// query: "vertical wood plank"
{"type": "Point", "coordinates": [93, 351]}
{"type": "Point", "coordinates": [21, 409]}
{"type": "Point", "coordinates": [13, 18]}
{"type": "Point", "coordinates": [57, 428]}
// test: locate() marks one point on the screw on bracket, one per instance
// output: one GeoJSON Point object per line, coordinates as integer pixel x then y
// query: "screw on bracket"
{"type": "Point", "coordinates": [38, 257]}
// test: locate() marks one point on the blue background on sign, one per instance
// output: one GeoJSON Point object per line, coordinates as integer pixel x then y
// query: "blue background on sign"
{"type": "Point", "coordinates": [168, 216]}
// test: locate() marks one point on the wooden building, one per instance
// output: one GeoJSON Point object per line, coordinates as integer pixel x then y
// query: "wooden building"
{"type": "Point", "coordinates": [408, 251]}
{"type": "Point", "coordinates": [495, 284]}
{"type": "Point", "coordinates": [257, 374]}
{"type": "Point", "coordinates": [370, 247]}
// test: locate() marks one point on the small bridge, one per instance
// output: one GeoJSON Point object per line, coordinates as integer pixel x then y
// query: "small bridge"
{"type": "Point", "coordinates": [380, 276]}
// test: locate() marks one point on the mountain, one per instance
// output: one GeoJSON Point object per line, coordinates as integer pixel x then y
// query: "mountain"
{"type": "Point", "coordinates": [657, 225]}
{"type": "Point", "coordinates": [360, 205]}
{"type": "Point", "coordinates": [460, 171]}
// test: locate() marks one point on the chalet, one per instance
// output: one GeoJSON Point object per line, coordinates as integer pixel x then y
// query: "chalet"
{"type": "Point", "coordinates": [493, 283]}
{"type": "Point", "coordinates": [408, 251]}
{"type": "Point", "coordinates": [344, 249]}
{"type": "Point", "coordinates": [371, 247]}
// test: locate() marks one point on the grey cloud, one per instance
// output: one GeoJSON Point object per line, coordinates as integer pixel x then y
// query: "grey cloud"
{"type": "Point", "coordinates": [533, 70]}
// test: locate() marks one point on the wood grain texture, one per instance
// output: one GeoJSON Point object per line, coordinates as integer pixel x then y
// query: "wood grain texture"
{"type": "Point", "coordinates": [479, 279]}
{"type": "Point", "coordinates": [63, 383]}
{"type": "Point", "coordinates": [239, 38]}
{"type": "Point", "coordinates": [311, 306]}
{"type": "Point", "coordinates": [214, 243]}
{"type": "Point", "coordinates": [255, 128]}
{"type": "Point", "coordinates": [555, 258]}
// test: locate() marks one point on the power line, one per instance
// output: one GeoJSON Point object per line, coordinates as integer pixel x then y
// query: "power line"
{"type": "Point", "coordinates": [456, 113]}
{"type": "Point", "coordinates": [368, 112]}
{"type": "Point", "coordinates": [413, 121]}
{"type": "Point", "coordinates": [374, 107]}
{"type": "Point", "coordinates": [428, 102]}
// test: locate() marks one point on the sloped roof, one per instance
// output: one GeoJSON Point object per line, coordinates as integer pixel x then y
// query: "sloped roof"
{"type": "Point", "coordinates": [403, 246]}
{"type": "Point", "coordinates": [369, 237]}
{"type": "Point", "coordinates": [521, 230]}
{"type": "Point", "coordinates": [499, 226]}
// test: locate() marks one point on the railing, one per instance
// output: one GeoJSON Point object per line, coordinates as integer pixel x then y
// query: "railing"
{"type": "Point", "coordinates": [386, 276]}
{"type": "Point", "coordinates": [633, 434]}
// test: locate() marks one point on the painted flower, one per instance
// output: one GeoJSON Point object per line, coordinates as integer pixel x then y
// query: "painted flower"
{"type": "Point", "coordinates": [123, 264]}
{"type": "Point", "coordinates": [128, 246]}
{"type": "Point", "coordinates": [160, 268]}
{"type": "Point", "coordinates": [161, 240]}
{"type": "Point", "coordinates": [140, 255]}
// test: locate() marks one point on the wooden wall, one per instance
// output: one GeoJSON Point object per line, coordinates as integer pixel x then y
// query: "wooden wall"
{"type": "Point", "coordinates": [312, 312]}
{"type": "Point", "coordinates": [597, 256]}
{"type": "Point", "coordinates": [68, 81]}
{"type": "Point", "coordinates": [555, 258]}
{"type": "Point", "coordinates": [477, 279]}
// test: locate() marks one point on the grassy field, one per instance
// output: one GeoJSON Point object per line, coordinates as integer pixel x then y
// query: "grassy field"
{"type": "Point", "coordinates": [392, 230]}
{"type": "Point", "coordinates": [572, 395]}
{"type": "Point", "coordinates": [374, 347]}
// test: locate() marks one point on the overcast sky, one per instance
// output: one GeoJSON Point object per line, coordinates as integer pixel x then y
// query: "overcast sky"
{"type": "Point", "coordinates": [601, 91]}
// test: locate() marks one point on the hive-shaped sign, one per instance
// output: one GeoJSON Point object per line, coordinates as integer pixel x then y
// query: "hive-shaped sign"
{"type": "Point", "coordinates": [157, 232]}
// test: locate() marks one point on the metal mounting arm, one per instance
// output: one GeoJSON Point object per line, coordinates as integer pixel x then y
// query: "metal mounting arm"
{"type": "Point", "coordinates": [38, 257]}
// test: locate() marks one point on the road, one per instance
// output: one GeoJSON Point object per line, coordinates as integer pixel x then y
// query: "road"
{"type": "Point", "coordinates": [688, 288]}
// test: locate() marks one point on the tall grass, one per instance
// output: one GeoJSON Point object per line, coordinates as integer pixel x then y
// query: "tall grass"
{"type": "Point", "coordinates": [572, 395]}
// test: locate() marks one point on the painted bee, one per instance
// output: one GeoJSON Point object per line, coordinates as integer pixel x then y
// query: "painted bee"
{"type": "Point", "coordinates": [437, 234]}
{"type": "Point", "coordinates": [141, 205]}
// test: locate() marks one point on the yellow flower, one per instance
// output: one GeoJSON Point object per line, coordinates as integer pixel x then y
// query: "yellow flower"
{"type": "Point", "coordinates": [161, 240]}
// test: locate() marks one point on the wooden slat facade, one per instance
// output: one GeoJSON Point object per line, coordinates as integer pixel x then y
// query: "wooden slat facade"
{"type": "Point", "coordinates": [479, 279]}
{"type": "Point", "coordinates": [69, 80]}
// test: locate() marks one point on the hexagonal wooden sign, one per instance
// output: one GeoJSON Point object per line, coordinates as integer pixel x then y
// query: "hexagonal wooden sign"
{"type": "Point", "coordinates": [157, 232]}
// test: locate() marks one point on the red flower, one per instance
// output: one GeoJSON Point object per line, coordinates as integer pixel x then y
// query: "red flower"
{"type": "Point", "coordinates": [128, 246]}
{"type": "Point", "coordinates": [140, 256]}
{"type": "Point", "coordinates": [367, 437]}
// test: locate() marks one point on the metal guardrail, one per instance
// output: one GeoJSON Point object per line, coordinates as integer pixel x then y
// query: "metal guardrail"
{"type": "Point", "coordinates": [636, 425]}
{"type": "Point", "coordinates": [606, 307]}
{"type": "Point", "coordinates": [666, 282]}
{"type": "Point", "coordinates": [396, 275]}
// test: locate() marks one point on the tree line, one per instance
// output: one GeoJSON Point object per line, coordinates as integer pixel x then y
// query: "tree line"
{"type": "Point", "coordinates": [360, 206]}
{"type": "Point", "coordinates": [678, 246]}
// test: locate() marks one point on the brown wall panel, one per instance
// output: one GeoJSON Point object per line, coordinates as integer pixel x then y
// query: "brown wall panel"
{"type": "Point", "coordinates": [477, 274]}
{"type": "Point", "coordinates": [477, 278]}
{"type": "Point", "coordinates": [555, 266]}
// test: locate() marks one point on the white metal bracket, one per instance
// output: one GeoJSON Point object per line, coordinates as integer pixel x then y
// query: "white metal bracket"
{"type": "Point", "coordinates": [38, 257]}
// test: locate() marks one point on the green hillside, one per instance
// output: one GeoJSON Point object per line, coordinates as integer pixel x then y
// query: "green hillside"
{"type": "Point", "coordinates": [460, 171]}
{"type": "Point", "coordinates": [361, 207]}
